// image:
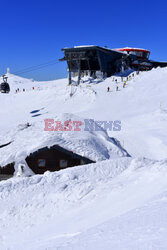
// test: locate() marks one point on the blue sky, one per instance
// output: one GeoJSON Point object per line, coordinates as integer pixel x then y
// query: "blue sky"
{"type": "Point", "coordinates": [33, 32]}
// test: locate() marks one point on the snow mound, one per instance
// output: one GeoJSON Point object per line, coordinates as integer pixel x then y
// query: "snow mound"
{"type": "Point", "coordinates": [95, 145]}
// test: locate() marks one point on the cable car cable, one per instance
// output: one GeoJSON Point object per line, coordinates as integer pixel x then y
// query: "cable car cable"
{"type": "Point", "coordinates": [37, 68]}
{"type": "Point", "coordinates": [32, 67]}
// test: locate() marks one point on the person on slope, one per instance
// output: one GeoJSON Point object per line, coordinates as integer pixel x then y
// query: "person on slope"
{"type": "Point", "coordinates": [108, 89]}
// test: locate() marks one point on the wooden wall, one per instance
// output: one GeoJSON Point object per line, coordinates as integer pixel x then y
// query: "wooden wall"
{"type": "Point", "coordinates": [7, 170]}
{"type": "Point", "coordinates": [51, 159]}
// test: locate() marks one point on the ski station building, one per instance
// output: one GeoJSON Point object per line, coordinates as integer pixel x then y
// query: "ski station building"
{"type": "Point", "coordinates": [87, 60]}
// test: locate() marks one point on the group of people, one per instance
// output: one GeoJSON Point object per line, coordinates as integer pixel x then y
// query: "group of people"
{"type": "Point", "coordinates": [117, 88]}
{"type": "Point", "coordinates": [128, 78]}
{"type": "Point", "coordinates": [18, 90]}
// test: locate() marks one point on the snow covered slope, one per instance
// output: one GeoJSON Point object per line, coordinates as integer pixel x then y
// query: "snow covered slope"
{"type": "Point", "coordinates": [114, 204]}
{"type": "Point", "coordinates": [141, 107]}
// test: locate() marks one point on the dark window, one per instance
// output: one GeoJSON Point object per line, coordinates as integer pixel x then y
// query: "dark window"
{"type": "Point", "coordinates": [41, 163]}
{"type": "Point", "coordinates": [63, 164]}
{"type": "Point", "coordinates": [82, 162]}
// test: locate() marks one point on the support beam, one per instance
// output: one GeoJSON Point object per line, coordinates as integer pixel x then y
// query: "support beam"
{"type": "Point", "coordinates": [79, 72]}
{"type": "Point", "coordinates": [69, 73]}
{"type": "Point", "coordinates": [69, 77]}
{"type": "Point", "coordinates": [101, 68]}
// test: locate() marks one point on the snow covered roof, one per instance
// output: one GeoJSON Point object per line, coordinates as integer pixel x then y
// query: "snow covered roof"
{"type": "Point", "coordinates": [95, 145]}
{"type": "Point", "coordinates": [121, 50]}
{"type": "Point", "coordinates": [83, 46]}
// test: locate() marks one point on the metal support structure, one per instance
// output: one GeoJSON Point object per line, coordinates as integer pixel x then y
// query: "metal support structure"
{"type": "Point", "coordinates": [101, 68]}
{"type": "Point", "coordinates": [79, 72]}
{"type": "Point", "coordinates": [69, 73]}
{"type": "Point", "coordinates": [69, 77]}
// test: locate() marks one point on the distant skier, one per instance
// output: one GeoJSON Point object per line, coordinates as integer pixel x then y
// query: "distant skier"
{"type": "Point", "coordinates": [108, 89]}
{"type": "Point", "coordinates": [117, 88]}
{"type": "Point", "coordinates": [124, 84]}
{"type": "Point", "coordinates": [28, 124]}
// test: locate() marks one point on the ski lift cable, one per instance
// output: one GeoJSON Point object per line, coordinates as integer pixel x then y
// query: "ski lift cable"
{"type": "Point", "coordinates": [32, 67]}
{"type": "Point", "coordinates": [37, 67]}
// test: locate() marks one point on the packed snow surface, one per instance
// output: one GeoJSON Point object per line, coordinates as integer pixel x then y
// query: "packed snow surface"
{"type": "Point", "coordinates": [118, 203]}
{"type": "Point", "coordinates": [114, 204]}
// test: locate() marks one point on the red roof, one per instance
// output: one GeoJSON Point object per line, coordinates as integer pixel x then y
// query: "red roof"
{"type": "Point", "coordinates": [134, 49]}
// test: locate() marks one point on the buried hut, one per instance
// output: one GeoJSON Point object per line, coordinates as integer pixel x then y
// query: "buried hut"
{"type": "Point", "coordinates": [35, 151]}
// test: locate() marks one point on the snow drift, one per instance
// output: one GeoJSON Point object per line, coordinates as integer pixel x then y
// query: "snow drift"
{"type": "Point", "coordinates": [82, 207]}
{"type": "Point", "coordinates": [95, 145]}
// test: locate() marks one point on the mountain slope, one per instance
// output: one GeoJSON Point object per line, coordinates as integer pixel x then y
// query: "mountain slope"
{"type": "Point", "coordinates": [113, 204]}
{"type": "Point", "coordinates": [141, 107]}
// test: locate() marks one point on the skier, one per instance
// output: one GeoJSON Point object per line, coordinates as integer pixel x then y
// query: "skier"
{"type": "Point", "coordinates": [117, 88]}
{"type": "Point", "coordinates": [108, 89]}
{"type": "Point", "coordinates": [124, 84]}
{"type": "Point", "coordinates": [28, 124]}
